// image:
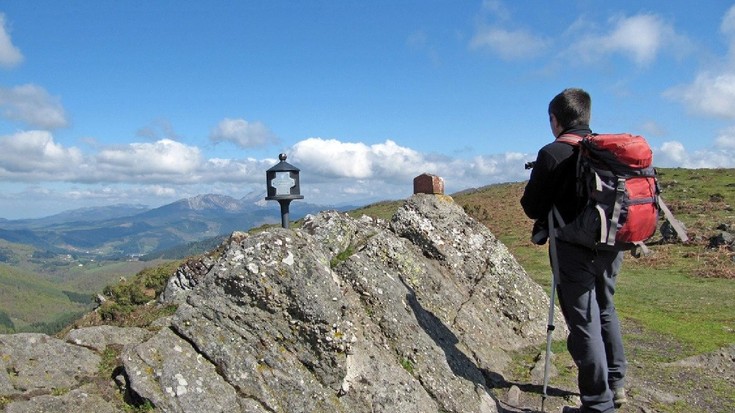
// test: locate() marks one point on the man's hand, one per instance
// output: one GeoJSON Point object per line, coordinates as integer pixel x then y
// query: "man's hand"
{"type": "Point", "coordinates": [540, 232]}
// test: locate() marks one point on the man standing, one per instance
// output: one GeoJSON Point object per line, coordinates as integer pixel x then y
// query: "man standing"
{"type": "Point", "coordinates": [586, 279]}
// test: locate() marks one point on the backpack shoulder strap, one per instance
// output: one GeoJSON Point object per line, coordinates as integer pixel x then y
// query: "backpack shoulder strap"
{"type": "Point", "coordinates": [570, 139]}
{"type": "Point", "coordinates": [680, 231]}
{"type": "Point", "coordinates": [575, 141]}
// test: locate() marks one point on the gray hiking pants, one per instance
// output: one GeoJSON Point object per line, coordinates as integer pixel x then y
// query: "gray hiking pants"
{"type": "Point", "coordinates": [586, 286]}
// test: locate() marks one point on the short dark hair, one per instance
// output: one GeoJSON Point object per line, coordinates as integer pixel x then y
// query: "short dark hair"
{"type": "Point", "coordinates": [571, 108]}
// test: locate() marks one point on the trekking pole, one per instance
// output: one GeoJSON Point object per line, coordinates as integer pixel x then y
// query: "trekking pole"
{"type": "Point", "coordinates": [550, 326]}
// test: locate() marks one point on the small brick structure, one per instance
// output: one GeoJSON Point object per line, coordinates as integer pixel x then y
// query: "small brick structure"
{"type": "Point", "coordinates": [428, 184]}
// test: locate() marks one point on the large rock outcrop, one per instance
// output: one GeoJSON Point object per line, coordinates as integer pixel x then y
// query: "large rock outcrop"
{"type": "Point", "coordinates": [343, 315]}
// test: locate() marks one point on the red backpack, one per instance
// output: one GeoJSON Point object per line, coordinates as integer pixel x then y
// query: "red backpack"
{"type": "Point", "coordinates": [616, 176]}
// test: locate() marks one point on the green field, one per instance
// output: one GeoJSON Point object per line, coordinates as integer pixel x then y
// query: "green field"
{"type": "Point", "coordinates": [41, 292]}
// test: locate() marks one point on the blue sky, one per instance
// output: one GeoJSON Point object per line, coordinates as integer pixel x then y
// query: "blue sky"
{"type": "Point", "coordinates": [148, 102]}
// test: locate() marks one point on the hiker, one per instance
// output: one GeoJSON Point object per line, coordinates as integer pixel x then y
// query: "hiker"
{"type": "Point", "coordinates": [586, 279]}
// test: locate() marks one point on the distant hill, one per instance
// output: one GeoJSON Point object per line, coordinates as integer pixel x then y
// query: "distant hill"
{"type": "Point", "coordinates": [134, 230]}
{"type": "Point", "coordinates": [79, 214]}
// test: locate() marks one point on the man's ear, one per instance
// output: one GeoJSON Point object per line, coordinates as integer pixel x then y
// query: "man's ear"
{"type": "Point", "coordinates": [555, 128]}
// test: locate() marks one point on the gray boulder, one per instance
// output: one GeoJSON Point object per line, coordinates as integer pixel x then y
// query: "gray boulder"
{"type": "Point", "coordinates": [170, 373]}
{"type": "Point", "coordinates": [722, 239]}
{"type": "Point", "coordinates": [81, 399]}
{"type": "Point", "coordinates": [362, 315]}
{"type": "Point", "coordinates": [99, 337]}
{"type": "Point", "coordinates": [34, 362]}
{"type": "Point", "coordinates": [418, 314]}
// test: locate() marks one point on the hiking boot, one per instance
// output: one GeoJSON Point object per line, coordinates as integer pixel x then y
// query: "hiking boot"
{"type": "Point", "coordinates": [619, 397]}
{"type": "Point", "coordinates": [570, 409]}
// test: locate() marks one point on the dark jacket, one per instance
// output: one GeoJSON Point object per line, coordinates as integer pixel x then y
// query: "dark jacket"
{"type": "Point", "coordinates": [553, 180]}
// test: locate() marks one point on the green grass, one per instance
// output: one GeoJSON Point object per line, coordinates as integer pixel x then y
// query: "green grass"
{"type": "Point", "coordinates": [34, 304]}
{"type": "Point", "coordinates": [699, 313]}
{"type": "Point", "coordinates": [407, 365]}
{"type": "Point", "coordinates": [46, 295]}
{"type": "Point", "coordinates": [342, 256]}
{"type": "Point", "coordinates": [383, 210]}
{"type": "Point", "coordinates": [110, 360]}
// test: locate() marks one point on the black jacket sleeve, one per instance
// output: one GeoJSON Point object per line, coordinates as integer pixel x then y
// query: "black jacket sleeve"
{"type": "Point", "coordinates": [538, 195]}
{"type": "Point", "coordinates": [552, 182]}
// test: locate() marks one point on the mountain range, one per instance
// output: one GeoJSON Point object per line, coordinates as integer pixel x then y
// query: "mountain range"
{"type": "Point", "coordinates": [132, 230]}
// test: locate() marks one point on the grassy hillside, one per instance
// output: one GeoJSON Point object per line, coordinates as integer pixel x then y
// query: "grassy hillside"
{"type": "Point", "coordinates": [42, 291]}
{"type": "Point", "coordinates": [683, 291]}
{"type": "Point", "coordinates": [33, 304]}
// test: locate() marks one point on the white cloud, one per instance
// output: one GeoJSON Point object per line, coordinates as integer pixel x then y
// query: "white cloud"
{"type": "Point", "coordinates": [391, 160]}
{"type": "Point", "coordinates": [652, 128]}
{"type": "Point", "coordinates": [388, 164]}
{"type": "Point", "coordinates": [34, 155]}
{"type": "Point", "coordinates": [332, 171]}
{"type": "Point", "coordinates": [158, 129]}
{"type": "Point", "coordinates": [641, 37]}
{"type": "Point", "coordinates": [503, 37]}
{"type": "Point", "coordinates": [242, 133]}
{"type": "Point", "coordinates": [508, 166]}
{"type": "Point", "coordinates": [151, 162]}
{"type": "Point", "coordinates": [712, 93]}
{"type": "Point", "coordinates": [496, 8]}
{"type": "Point", "coordinates": [107, 193]}
{"type": "Point", "coordinates": [509, 44]}
{"type": "Point", "coordinates": [9, 54]}
{"type": "Point", "coordinates": [726, 139]}
{"type": "Point", "coordinates": [332, 158]}
{"type": "Point", "coordinates": [674, 154]}
{"type": "Point", "coordinates": [245, 171]}
{"type": "Point", "coordinates": [31, 104]}
{"type": "Point", "coordinates": [727, 27]}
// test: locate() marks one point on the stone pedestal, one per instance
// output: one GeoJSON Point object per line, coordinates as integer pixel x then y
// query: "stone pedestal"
{"type": "Point", "coordinates": [428, 184]}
